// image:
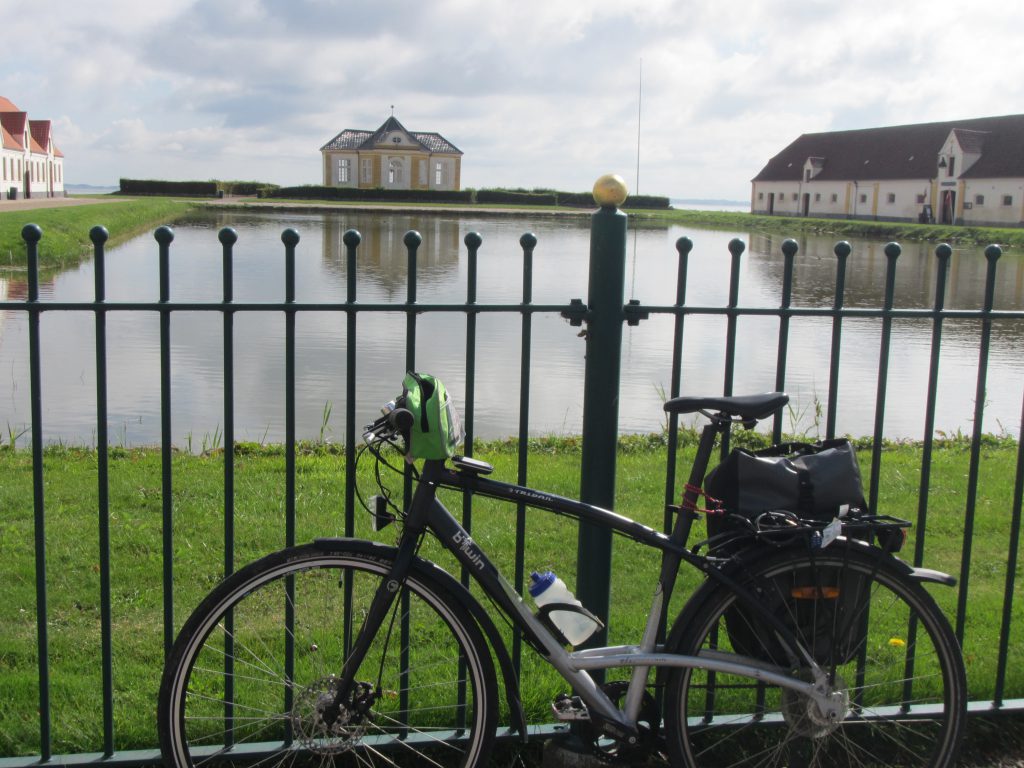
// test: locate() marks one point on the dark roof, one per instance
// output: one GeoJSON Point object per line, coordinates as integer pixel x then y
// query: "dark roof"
{"type": "Point", "coordinates": [903, 151]}
{"type": "Point", "coordinates": [357, 139]}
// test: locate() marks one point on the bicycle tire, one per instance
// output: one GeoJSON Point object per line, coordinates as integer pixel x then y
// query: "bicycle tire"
{"type": "Point", "coordinates": [878, 633]}
{"type": "Point", "coordinates": [249, 673]}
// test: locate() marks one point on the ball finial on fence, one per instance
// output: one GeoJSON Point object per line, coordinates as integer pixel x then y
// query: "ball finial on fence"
{"type": "Point", "coordinates": [610, 190]}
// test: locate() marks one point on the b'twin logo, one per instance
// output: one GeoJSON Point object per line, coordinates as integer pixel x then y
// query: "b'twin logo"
{"type": "Point", "coordinates": [465, 544]}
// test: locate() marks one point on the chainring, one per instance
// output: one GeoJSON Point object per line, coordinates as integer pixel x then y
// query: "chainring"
{"type": "Point", "coordinates": [614, 751]}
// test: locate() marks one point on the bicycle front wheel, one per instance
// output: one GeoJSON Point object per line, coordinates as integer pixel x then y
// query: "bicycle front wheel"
{"type": "Point", "coordinates": [254, 671]}
{"type": "Point", "coordinates": [889, 651]}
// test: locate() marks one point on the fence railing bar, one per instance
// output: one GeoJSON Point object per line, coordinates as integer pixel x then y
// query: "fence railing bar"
{"type": "Point", "coordinates": [942, 255]}
{"type": "Point", "coordinates": [892, 253]}
{"type": "Point", "coordinates": [683, 247]}
{"type": "Point", "coordinates": [228, 237]}
{"type": "Point", "coordinates": [527, 242]}
{"type": "Point", "coordinates": [1011, 571]}
{"type": "Point", "coordinates": [351, 239]}
{"type": "Point", "coordinates": [789, 251]}
{"type": "Point", "coordinates": [290, 238]}
{"type": "Point", "coordinates": [534, 309]}
{"type": "Point", "coordinates": [165, 236]}
{"type": "Point", "coordinates": [992, 254]}
{"type": "Point", "coordinates": [32, 234]}
{"type": "Point", "coordinates": [99, 236]}
{"type": "Point", "coordinates": [473, 241]}
{"type": "Point", "coordinates": [736, 248]}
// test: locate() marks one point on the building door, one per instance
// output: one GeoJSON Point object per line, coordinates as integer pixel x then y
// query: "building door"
{"type": "Point", "coordinates": [806, 207]}
{"type": "Point", "coordinates": [28, 186]}
{"type": "Point", "coordinates": [948, 207]}
{"type": "Point", "coordinates": [771, 203]}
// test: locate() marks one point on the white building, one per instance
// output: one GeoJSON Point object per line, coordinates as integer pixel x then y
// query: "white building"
{"type": "Point", "coordinates": [964, 172]}
{"type": "Point", "coordinates": [30, 163]}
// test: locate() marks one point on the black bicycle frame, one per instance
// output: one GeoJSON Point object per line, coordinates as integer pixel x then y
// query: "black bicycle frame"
{"type": "Point", "coordinates": [426, 512]}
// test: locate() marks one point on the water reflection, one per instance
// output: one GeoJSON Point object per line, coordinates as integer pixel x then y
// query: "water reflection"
{"type": "Point", "coordinates": [559, 274]}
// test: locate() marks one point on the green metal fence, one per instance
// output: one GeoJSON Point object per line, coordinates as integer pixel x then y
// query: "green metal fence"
{"type": "Point", "coordinates": [604, 313]}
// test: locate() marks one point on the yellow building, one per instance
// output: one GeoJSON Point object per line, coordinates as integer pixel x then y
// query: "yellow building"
{"type": "Point", "coordinates": [392, 158]}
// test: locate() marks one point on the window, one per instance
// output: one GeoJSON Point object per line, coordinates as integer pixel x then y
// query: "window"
{"type": "Point", "coordinates": [863, 198]}
{"type": "Point", "coordinates": [949, 169]}
{"type": "Point", "coordinates": [438, 175]}
{"type": "Point", "coordinates": [1007, 199]}
{"type": "Point", "coordinates": [760, 195]}
{"type": "Point", "coordinates": [979, 199]}
{"type": "Point", "coordinates": [794, 197]}
{"type": "Point", "coordinates": [343, 172]}
{"type": "Point", "coordinates": [395, 172]}
{"type": "Point", "coordinates": [817, 197]}
{"type": "Point", "coordinates": [920, 199]}
{"type": "Point", "coordinates": [807, 175]}
{"type": "Point", "coordinates": [835, 197]}
{"type": "Point", "coordinates": [891, 197]}
{"type": "Point", "coordinates": [367, 171]}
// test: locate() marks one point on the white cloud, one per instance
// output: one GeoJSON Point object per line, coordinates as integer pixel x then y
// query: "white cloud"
{"type": "Point", "coordinates": [536, 93]}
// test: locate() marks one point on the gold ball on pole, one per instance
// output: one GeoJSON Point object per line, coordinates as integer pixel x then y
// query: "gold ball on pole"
{"type": "Point", "coordinates": [610, 190]}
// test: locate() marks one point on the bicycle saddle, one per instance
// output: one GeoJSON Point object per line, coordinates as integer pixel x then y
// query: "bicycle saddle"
{"type": "Point", "coordinates": [745, 406]}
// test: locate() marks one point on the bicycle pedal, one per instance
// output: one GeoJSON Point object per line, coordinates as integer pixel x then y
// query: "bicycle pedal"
{"type": "Point", "coordinates": [568, 708]}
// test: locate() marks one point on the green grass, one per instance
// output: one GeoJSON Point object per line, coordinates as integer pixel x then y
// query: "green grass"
{"type": "Point", "coordinates": [73, 561]}
{"type": "Point", "coordinates": [841, 228]}
{"type": "Point", "coordinates": [65, 239]}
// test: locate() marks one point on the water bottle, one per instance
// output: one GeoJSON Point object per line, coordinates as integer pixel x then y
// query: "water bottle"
{"type": "Point", "coordinates": [547, 588]}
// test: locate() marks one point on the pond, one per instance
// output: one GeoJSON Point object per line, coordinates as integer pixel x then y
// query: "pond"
{"type": "Point", "coordinates": [557, 356]}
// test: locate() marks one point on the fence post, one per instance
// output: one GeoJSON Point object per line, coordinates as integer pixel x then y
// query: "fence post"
{"type": "Point", "coordinates": [605, 314]}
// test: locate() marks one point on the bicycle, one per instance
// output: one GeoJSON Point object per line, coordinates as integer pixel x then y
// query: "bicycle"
{"type": "Point", "coordinates": [350, 650]}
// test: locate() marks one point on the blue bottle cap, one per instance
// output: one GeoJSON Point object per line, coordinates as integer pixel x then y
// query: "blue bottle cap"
{"type": "Point", "coordinates": [540, 581]}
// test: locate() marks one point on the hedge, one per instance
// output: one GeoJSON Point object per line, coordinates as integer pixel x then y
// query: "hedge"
{"type": "Point", "coordinates": [509, 197]}
{"type": "Point", "coordinates": [245, 187]}
{"type": "Point", "coordinates": [157, 187]}
{"type": "Point", "coordinates": [315, 192]}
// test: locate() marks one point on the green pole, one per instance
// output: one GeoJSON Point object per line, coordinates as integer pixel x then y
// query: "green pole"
{"type": "Point", "coordinates": [601, 392]}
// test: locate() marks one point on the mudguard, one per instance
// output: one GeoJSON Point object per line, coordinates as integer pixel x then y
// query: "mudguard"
{"type": "Point", "coordinates": [445, 582]}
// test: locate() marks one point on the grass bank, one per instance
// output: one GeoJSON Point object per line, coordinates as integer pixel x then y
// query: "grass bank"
{"type": "Point", "coordinates": [73, 565]}
{"type": "Point", "coordinates": [841, 228]}
{"type": "Point", "coordinates": [66, 229]}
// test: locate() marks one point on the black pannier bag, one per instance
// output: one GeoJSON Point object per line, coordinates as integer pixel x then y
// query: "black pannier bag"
{"type": "Point", "coordinates": [812, 481]}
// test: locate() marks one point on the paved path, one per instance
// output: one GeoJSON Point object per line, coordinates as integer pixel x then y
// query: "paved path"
{"type": "Point", "coordinates": [54, 202]}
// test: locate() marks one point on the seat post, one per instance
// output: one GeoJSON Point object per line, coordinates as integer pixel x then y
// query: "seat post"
{"type": "Point", "coordinates": [684, 520]}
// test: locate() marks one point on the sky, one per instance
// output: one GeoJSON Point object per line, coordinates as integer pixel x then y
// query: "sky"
{"type": "Point", "coordinates": [681, 98]}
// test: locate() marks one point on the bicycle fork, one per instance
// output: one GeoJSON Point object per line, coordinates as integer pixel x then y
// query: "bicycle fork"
{"type": "Point", "coordinates": [383, 602]}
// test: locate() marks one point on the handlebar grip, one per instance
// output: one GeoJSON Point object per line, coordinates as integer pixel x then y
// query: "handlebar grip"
{"type": "Point", "coordinates": [400, 418]}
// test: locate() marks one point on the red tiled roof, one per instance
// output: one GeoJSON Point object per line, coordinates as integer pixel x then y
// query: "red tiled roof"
{"type": "Point", "coordinates": [14, 129]}
{"type": "Point", "coordinates": [40, 135]}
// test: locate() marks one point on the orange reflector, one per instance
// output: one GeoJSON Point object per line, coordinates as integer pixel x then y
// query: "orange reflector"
{"type": "Point", "coordinates": [813, 593]}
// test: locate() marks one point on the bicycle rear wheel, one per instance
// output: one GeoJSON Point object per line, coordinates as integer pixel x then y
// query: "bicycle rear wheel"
{"type": "Point", "coordinates": [887, 646]}
{"type": "Point", "coordinates": [254, 667]}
